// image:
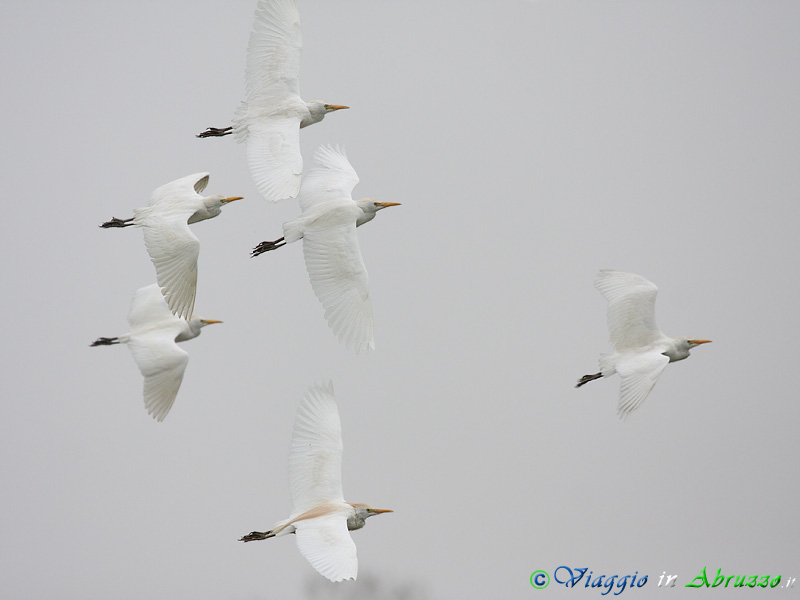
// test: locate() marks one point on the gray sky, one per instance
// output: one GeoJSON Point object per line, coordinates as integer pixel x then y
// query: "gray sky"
{"type": "Point", "coordinates": [531, 144]}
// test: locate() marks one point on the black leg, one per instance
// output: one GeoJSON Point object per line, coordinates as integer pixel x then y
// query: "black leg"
{"type": "Point", "coordinates": [256, 535]}
{"type": "Point", "coordinates": [266, 247]}
{"type": "Point", "coordinates": [115, 222]}
{"type": "Point", "coordinates": [215, 132]}
{"type": "Point", "coordinates": [588, 378]}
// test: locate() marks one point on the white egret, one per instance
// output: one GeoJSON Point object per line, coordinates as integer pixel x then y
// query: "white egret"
{"type": "Point", "coordinates": [641, 351]}
{"type": "Point", "coordinates": [152, 340]}
{"type": "Point", "coordinates": [270, 118]}
{"type": "Point", "coordinates": [172, 246]}
{"type": "Point", "coordinates": [327, 226]}
{"type": "Point", "coordinates": [320, 517]}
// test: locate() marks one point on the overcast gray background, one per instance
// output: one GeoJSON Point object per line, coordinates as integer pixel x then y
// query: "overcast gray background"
{"type": "Point", "coordinates": [531, 144]}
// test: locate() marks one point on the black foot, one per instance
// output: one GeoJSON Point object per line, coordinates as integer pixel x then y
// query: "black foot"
{"type": "Point", "coordinates": [215, 132]}
{"type": "Point", "coordinates": [588, 378]}
{"type": "Point", "coordinates": [266, 247]}
{"type": "Point", "coordinates": [256, 535]}
{"type": "Point", "coordinates": [115, 222]}
{"type": "Point", "coordinates": [105, 341]}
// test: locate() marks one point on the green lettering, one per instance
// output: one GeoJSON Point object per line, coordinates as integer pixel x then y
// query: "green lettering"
{"type": "Point", "coordinates": [764, 582]}
{"type": "Point", "coordinates": [718, 579]}
{"type": "Point", "coordinates": [753, 581]}
{"type": "Point", "coordinates": [727, 581]}
{"type": "Point", "coordinates": [740, 581]}
{"type": "Point", "coordinates": [703, 580]}
{"type": "Point", "coordinates": [775, 582]}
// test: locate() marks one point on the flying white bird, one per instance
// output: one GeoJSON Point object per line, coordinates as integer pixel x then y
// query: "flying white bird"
{"type": "Point", "coordinates": [641, 351]}
{"type": "Point", "coordinates": [271, 116]}
{"type": "Point", "coordinates": [152, 340]}
{"type": "Point", "coordinates": [327, 226]}
{"type": "Point", "coordinates": [320, 517]}
{"type": "Point", "coordinates": [172, 246]}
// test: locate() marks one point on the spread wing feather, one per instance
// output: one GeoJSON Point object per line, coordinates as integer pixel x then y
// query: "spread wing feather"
{"type": "Point", "coordinates": [331, 179]}
{"type": "Point", "coordinates": [340, 281]}
{"type": "Point", "coordinates": [172, 246]}
{"type": "Point", "coordinates": [631, 309]}
{"type": "Point", "coordinates": [315, 455]}
{"type": "Point", "coordinates": [273, 156]}
{"type": "Point", "coordinates": [162, 363]}
{"type": "Point", "coordinates": [326, 544]}
{"type": "Point", "coordinates": [639, 373]}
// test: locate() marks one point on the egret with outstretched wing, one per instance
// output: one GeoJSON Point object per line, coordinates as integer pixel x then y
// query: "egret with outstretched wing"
{"type": "Point", "coordinates": [271, 116]}
{"type": "Point", "coordinates": [153, 341]}
{"type": "Point", "coordinates": [641, 351]}
{"type": "Point", "coordinates": [320, 517]}
{"type": "Point", "coordinates": [172, 246]}
{"type": "Point", "coordinates": [327, 226]}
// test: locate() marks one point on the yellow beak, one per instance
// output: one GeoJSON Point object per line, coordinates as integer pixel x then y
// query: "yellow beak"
{"type": "Point", "coordinates": [210, 321]}
{"type": "Point", "coordinates": [699, 341]}
{"type": "Point", "coordinates": [378, 511]}
{"type": "Point", "coordinates": [387, 204]}
{"type": "Point", "coordinates": [335, 106]}
{"type": "Point", "coordinates": [232, 198]}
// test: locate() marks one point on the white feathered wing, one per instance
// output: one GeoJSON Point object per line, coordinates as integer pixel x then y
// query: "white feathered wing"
{"type": "Point", "coordinates": [315, 454]}
{"type": "Point", "coordinates": [631, 309]}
